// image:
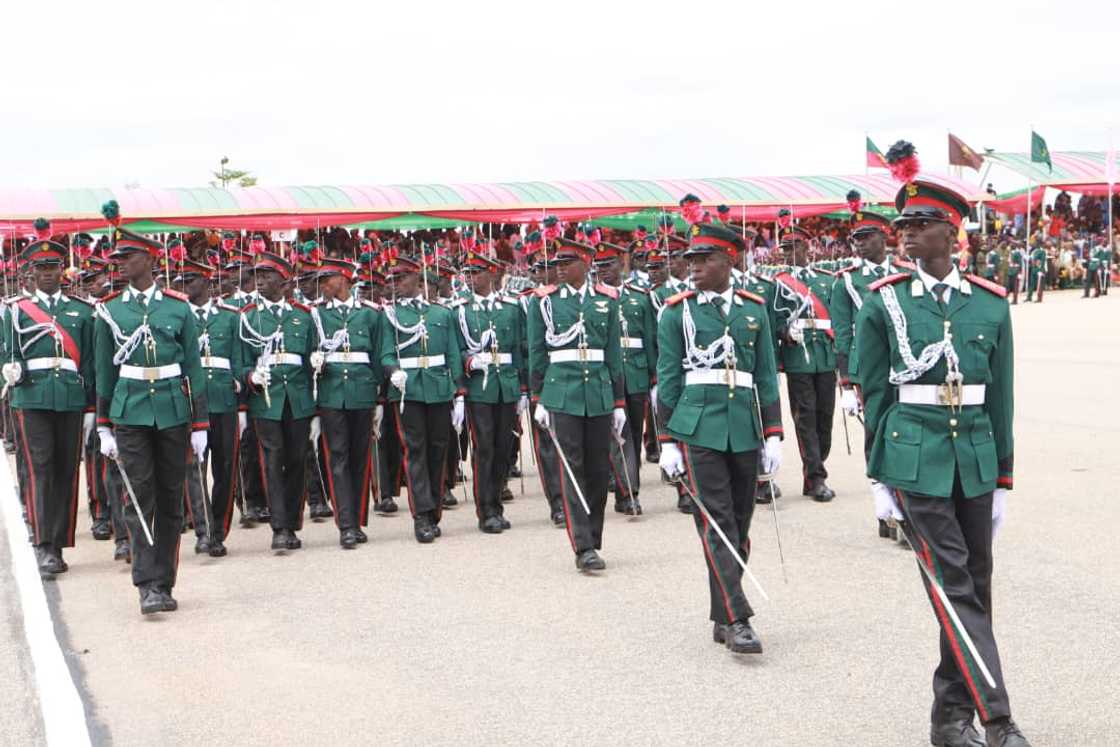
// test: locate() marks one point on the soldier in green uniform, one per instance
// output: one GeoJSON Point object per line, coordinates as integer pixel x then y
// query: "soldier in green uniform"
{"type": "Point", "coordinates": [490, 331]}
{"type": "Point", "coordinates": [277, 338]}
{"type": "Point", "coordinates": [1016, 262]}
{"type": "Point", "coordinates": [638, 324]}
{"type": "Point", "coordinates": [420, 355]}
{"type": "Point", "coordinates": [936, 371]}
{"type": "Point", "coordinates": [346, 365]}
{"type": "Point", "coordinates": [719, 411]}
{"type": "Point", "coordinates": [93, 281]}
{"type": "Point", "coordinates": [151, 407]}
{"type": "Point", "coordinates": [1104, 256]}
{"type": "Point", "coordinates": [1036, 280]}
{"type": "Point", "coordinates": [868, 232]}
{"type": "Point", "coordinates": [806, 354]}
{"type": "Point", "coordinates": [991, 264]}
{"type": "Point", "coordinates": [219, 346]}
{"type": "Point", "coordinates": [49, 371]}
{"type": "Point", "coordinates": [576, 380]}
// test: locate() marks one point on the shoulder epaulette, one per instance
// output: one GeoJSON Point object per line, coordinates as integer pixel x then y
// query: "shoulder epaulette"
{"type": "Point", "coordinates": [823, 271]}
{"type": "Point", "coordinates": [81, 300]}
{"type": "Point", "coordinates": [227, 307]}
{"type": "Point", "coordinates": [300, 306]}
{"type": "Point", "coordinates": [674, 300]}
{"type": "Point", "coordinates": [905, 264]}
{"type": "Point", "coordinates": [248, 307]}
{"type": "Point", "coordinates": [369, 304]}
{"type": "Point", "coordinates": [176, 295]}
{"type": "Point", "coordinates": [638, 288]}
{"type": "Point", "coordinates": [750, 296]}
{"type": "Point", "coordinates": [763, 278]}
{"type": "Point", "coordinates": [889, 280]}
{"type": "Point", "coordinates": [606, 290]}
{"type": "Point", "coordinates": [111, 296]}
{"type": "Point", "coordinates": [987, 285]}
{"type": "Point", "coordinates": [457, 302]}
{"type": "Point", "coordinates": [849, 268]}
{"type": "Point", "coordinates": [526, 292]}
{"type": "Point", "coordinates": [544, 290]}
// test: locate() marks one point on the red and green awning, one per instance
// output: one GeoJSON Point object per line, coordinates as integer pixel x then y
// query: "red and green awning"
{"type": "Point", "coordinates": [1072, 169]}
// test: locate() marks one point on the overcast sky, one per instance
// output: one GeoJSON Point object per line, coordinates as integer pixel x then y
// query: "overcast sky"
{"type": "Point", "coordinates": [153, 93]}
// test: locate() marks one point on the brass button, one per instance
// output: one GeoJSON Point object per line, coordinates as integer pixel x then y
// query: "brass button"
{"type": "Point", "coordinates": [953, 422]}
{"type": "Point", "coordinates": [731, 395]}
{"type": "Point", "coordinates": [979, 337]}
{"type": "Point", "coordinates": [954, 434]}
{"type": "Point", "coordinates": [151, 391]}
{"type": "Point", "coordinates": [894, 434]}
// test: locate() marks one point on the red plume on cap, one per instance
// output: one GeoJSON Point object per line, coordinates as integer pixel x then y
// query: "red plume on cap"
{"type": "Point", "coordinates": [42, 229]}
{"type": "Point", "coordinates": [854, 201]}
{"type": "Point", "coordinates": [83, 249]}
{"type": "Point", "coordinates": [256, 245]}
{"type": "Point", "coordinates": [691, 210]}
{"type": "Point", "coordinates": [640, 233]}
{"type": "Point", "coordinates": [176, 252]}
{"type": "Point", "coordinates": [552, 228]}
{"type": "Point", "coordinates": [902, 160]}
{"type": "Point", "coordinates": [595, 237]}
{"type": "Point", "coordinates": [785, 218]}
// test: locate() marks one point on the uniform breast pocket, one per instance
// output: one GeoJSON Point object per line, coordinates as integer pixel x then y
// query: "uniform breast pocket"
{"type": "Point", "coordinates": [979, 342]}
{"type": "Point", "coordinates": [903, 439]}
{"type": "Point", "coordinates": [986, 459]}
{"type": "Point", "coordinates": [686, 417]}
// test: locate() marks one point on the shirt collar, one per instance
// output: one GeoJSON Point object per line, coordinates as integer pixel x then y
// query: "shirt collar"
{"type": "Point", "coordinates": [953, 279]}
{"type": "Point", "coordinates": [728, 297]}
{"type": "Point", "coordinates": [282, 304]}
{"type": "Point", "coordinates": [147, 294]}
{"type": "Point", "coordinates": [580, 291]}
{"type": "Point", "coordinates": [47, 299]}
{"type": "Point", "coordinates": [349, 303]}
{"type": "Point", "coordinates": [204, 307]}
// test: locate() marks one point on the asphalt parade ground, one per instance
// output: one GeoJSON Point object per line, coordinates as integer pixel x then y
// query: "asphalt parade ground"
{"type": "Point", "coordinates": [484, 639]}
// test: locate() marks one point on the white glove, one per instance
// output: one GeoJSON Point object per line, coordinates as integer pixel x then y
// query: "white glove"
{"type": "Point", "coordinates": [316, 431]}
{"type": "Point", "coordinates": [108, 442]}
{"type": "Point", "coordinates": [672, 460]}
{"type": "Point", "coordinates": [13, 372]}
{"type": "Point", "coordinates": [849, 402]}
{"type": "Point", "coordinates": [886, 507]}
{"type": "Point", "coordinates": [260, 377]}
{"type": "Point", "coordinates": [653, 398]}
{"type": "Point", "coordinates": [771, 455]}
{"type": "Point", "coordinates": [458, 414]}
{"type": "Point", "coordinates": [618, 420]}
{"type": "Point", "coordinates": [198, 444]}
{"type": "Point", "coordinates": [242, 423]}
{"type": "Point", "coordinates": [999, 509]}
{"type": "Point", "coordinates": [542, 416]}
{"type": "Point", "coordinates": [481, 361]}
{"type": "Point", "coordinates": [317, 360]}
{"type": "Point", "coordinates": [378, 417]}
{"type": "Point", "coordinates": [87, 426]}
{"type": "Point", "coordinates": [522, 404]}
{"type": "Point", "coordinates": [398, 379]}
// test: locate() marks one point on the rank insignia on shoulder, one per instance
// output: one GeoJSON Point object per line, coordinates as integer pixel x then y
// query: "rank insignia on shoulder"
{"type": "Point", "coordinates": [889, 280]}
{"type": "Point", "coordinates": [674, 300]}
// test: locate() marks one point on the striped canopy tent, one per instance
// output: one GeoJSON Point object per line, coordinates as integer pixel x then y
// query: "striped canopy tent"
{"type": "Point", "coordinates": [1077, 171]}
{"type": "Point", "coordinates": [275, 208]}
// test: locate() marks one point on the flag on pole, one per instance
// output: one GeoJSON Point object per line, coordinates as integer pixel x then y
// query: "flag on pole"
{"type": "Point", "coordinates": [1039, 152]}
{"type": "Point", "coordinates": [961, 155]}
{"type": "Point", "coordinates": [875, 157]}
{"type": "Point", "coordinates": [1110, 165]}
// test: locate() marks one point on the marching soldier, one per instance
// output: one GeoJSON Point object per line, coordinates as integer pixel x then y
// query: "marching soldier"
{"type": "Point", "coordinates": [347, 370]}
{"type": "Point", "coordinates": [935, 365]}
{"type": "Point", "coordinates": [50, 372]}
{"type": "Point", "coordinates": [718, 408]}
{"type": "Point", "coordinates": [277, 339]}
{"type": "Point", "coordinates": [1037, 275]}
{"type": "Point", "coordinates": [991, 265]}
{"type": "Point", "coordinates": [806, 354]}
{"type": "Point", "coordinates": [639, 364]}
{"type": "Point", "coordinates": [576, 380]}
{"type": "Point", "coordinates": [1015, 263]}
{"type": "Point", "coordinates": [490, 334]}
{"type": "Point", "coordinates": [220, 348]}
{"type": "Point", "coordinates": [151, 407]}
{"type": "Point", "coordinates": [1104, 256]}
{"type": "Point", "coordinates": [420, 354]}
{"type": "Point", "coordinates": [94, 283]}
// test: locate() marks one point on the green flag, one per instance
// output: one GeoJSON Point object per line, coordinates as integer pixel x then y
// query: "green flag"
{"type": "Point", "coordinates": [1039, 152]}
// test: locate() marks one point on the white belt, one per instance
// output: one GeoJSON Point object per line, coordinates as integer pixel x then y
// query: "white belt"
{"type": "Point", "coordinates": [41, 364]}
{"type": "Point", "coordinates": [503, 359]}
{"type": "Point", "coordinates": [282, 359]}
{"type": "Point", "coordinates": [151, 373]}
{"type": "Point", "coordinates": [214, 361]}
{"type": "Point", "coordinates": [356, 356]}
{"type": "Point", "coordinates": [575, 355]}
{"type": "Point", "coordinates": [424, 361]}
{"type": "Point", "coordinates": [632, 342]}
{"type": "Point", "coordinates": [940, 394]}
{"type": "Point", "coordinates": [719, 376]}
{"type": "Point", "coordinates": [813, 323]}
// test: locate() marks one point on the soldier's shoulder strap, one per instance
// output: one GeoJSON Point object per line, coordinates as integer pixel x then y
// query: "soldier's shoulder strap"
{"type": "Point", "coordinates": [905, 264]}
{"type": "Point", "coordinates": [843, 270]}
{"type": "Point", "coordinates": [369, 304]}
{"type": "Point", "coordinates": [226, 307]}
{"type": "Point", "coordinates": [176, 295]}
{"type": "Point", "coordinates": [750, 296]}
{"type": "Point", "coordinates": [987, 285]}
{"type": "Point", "coordinates": [104, 299]}
{"type": "Point", "coordinates": [301, 306]}
{"type": "Point", "coordinates": [248, 307]}
{"type": "Point", "coordinates": [606, 290]}
{"type": "Point", "coordinates": [898, 277]}
{"type": "Point", "coordinates": [638, 288]}
{"type": "Point", "coordinates": [84, 301]}
{"type": "Point", "coordinates": [674, 300]}
{"type": "Point", "coordinates": [457, 302]}
{"type": "Point", "coordinates": [545, 290]}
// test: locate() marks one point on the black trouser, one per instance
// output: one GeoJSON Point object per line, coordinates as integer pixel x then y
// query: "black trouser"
{"type": "Point", "coordinates": [97, 494]}
{"type": "Point", "coordinates": [282, 447]}
{"type": "Point", "coordinates": [491, 431]}
{"type": "Point", "coordinates": [224, 445]}
{"type": "Point", "coordinates": [51, 445]}
{"type": "Point", "coordinates": [156, 464]}
{"type": "Point", "coordinates": [390, 472]}
{"type": "Point", "coordinates": [630, 466]}
{"type": "Point", "coordinates": [114, 490]}
{"type": "Point", "coordinates": [457, 446]}
{"type": "Point", "coordinates": [812, 402]}
{"type": "Point", "coordinates": [582, 440]}
{"type": "Point", "coordinates": [315, 473]}
{"type": "Point", "coordinates": [425, 433]}
{"type": "Point", "coordinates": [549, 468]}
{"type": "Point", "coordinates": [652, 447]}
{"type": "Point", "coordinates": [252, 489]}
{"type": "Point", "coordinates": [725, 482]}
{"type": "Point", "coordinates": [953, 538]}
{"type": "Point", "coordinates": [1012, 286]}
{"type": "Point", "coordinates": [344, 445]}
{"type": "Point", "coordinates": [1036, 284]}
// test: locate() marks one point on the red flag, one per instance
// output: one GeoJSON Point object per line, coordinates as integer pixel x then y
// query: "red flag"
{"type": "Point", "coordinates": [961, 155]}
{"type": "Point", "coordinates": [875, 157]}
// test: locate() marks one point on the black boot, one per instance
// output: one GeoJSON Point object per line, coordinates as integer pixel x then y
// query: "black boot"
{"type": "Point", "coordinates": [957, 732]}
{"type": "Point", "coordinates": [1004, 733]}
{"type": "Point", "coordinates": [741, 638]}
{"type": "Point", "coordinates": [491, 525]}
{"type": "Point", "coordinates": [422, 527]}
{"type": "Point", "coordinates": [589, 560]}
{"type": "Point", "coordinates": [386, 506]}
{"type": "Point", "coordinates": [101, 529]}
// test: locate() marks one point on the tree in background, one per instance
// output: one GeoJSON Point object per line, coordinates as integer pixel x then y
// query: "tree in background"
{"type": "Point", "coordinates": [226, 175]}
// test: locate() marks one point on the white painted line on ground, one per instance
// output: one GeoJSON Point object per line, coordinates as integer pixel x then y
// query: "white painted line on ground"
{"type": "Point", "coordinates": [64, 715]}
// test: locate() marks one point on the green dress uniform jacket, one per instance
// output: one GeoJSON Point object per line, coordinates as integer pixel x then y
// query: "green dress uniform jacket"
{"type": "Point", "coordinates": [717, 416]}
{"type": "Point", "coordinates": [351, 378]}
{"type": "Point", "coordinates": [561, 377]}
{"type": "Point", "coordinates": [171, 340]}
{"type": "Point", "coordinates": [849, 290]}
{"type": "Point", "coordinates": [63, 379]}
{"type": "Point", "coordinates": [291, 377]}
{"type": "Point", "coordinates": [239, 299]}
{"type": "Point", "coordinates": [417, 333]}
{"type": "Point", "coordinates": [639, 339]}
{"type": "Point", "coordinates": [508, 377]}
{"type": "Point", "coordinates": [920, 448]}
{"type": "Point", "coordinates": [991, 266]}
{"type": "Point", "coordinates": [801, 300]}
{"type": "Point", "coordinates": [1015, 262]}
{"type": "Point", "coordinates": [221, 352]}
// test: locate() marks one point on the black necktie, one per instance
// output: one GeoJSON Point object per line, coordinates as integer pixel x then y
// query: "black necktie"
{"type": "Point", "coordinates": [201, 316]}
{"type": "Point", "coordinates": [878, 271]}
{"type": "Point", "coordinates": [939, 293]}
{"type": "Point", "coordinates": [717, 301]}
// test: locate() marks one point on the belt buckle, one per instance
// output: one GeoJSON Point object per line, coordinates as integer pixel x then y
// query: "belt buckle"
{"type": "Point", "coordinates": [582, 353]}
{"type": "Point", "coordinates": [423, 362]}
{"type": "Point", "coordinates": [56, 363]}
{"type": "Point", "coordinates": [151, 373]}
{"type": "Point", "coordinates": [950, 394]}
{"type": "Point", "coordinates": [206, 362]}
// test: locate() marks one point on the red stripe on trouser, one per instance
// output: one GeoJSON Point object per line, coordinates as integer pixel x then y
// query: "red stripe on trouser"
{"type": "Point", "coordinates": [363, 500]}
{"type": "Point", "coordinates": [228, 517]}
{"type": "Point", "coordinates": [534, 436]}
{"type": "Point", "coordinates": [564, 494]}
{"type": "Point", "coordinates": [330, 475]}
{"type": "Point", "coordinates": [404, 461]}
{"type": "Point", "coordinates": [263, 471]}
{"type": "Point", "coordinates": [31, 491]}
{"type": "Point", "coordinates": [925, 556]}
{"type": "Point", "coordinates": [474, 467]}
{"type": "Point", "coordinates": [72, 519]}
{"type": "Point", "coordinates": [91, 490]}
{"type": "Point", "coordinates": [705, 537]}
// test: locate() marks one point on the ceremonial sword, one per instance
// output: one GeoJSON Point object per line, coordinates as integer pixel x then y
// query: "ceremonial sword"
{"type": "Point", "coordinates": [134, 502]}
{"type": "Point", "coordinates": [626, 472]}
{"type": "Point", "coordinates": [769, 478]}
{"type": "Point", "coordinates": [568, 468]}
